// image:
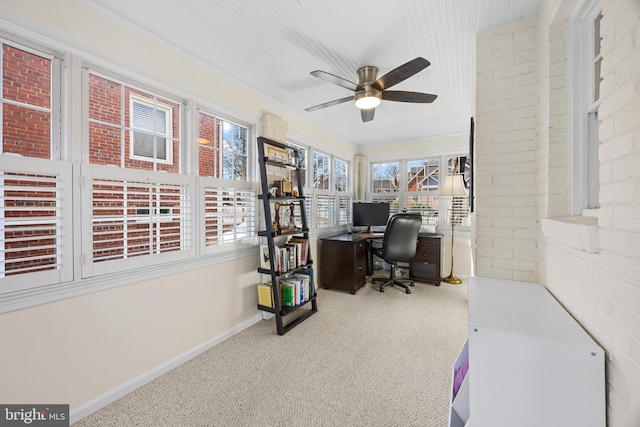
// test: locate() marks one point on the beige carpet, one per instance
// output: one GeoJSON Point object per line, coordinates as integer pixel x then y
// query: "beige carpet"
{"type": "Point", "coordinates": [370, 359]}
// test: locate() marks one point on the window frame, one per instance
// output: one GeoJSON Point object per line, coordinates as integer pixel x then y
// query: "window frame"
{"type": "Point", "coordinates": [55, 90]}
{"type": "Point", "coordinates": [328, 172]}
{"type": "Point", "coordinates": [222, 151]}
{"type": "Point", "coordinates": [167, 136]}
{"type": "Point", "coordinates": [344, 179]}
{"type": "Point", "coordinates": [398, 199]}
{"type": "Point", "coordinates": [57, 173]}
{"type": "Point", "coordinates": [584, 184]}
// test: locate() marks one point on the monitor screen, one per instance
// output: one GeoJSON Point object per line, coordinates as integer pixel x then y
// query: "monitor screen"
{"type": "Point", "coordinates": [370, 214]}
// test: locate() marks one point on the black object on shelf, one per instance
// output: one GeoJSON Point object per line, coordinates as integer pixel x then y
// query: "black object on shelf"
{"type": "Point", "coordinates": [280, 156]}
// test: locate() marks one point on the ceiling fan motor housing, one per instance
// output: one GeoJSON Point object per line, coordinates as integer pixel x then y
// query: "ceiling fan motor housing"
{"type": "Point", "coordinates": [367, 96]}
{"type": "Point", "coordinates": [367, 75]}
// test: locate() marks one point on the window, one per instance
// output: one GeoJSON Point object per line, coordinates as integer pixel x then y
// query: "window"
{"type": "Point", "coordinates": [385, 177]}
{"type": "Point", "coordinates": [229, 199]}
{"type": "Point", "coordinates": [134, 215]}
{"type": "Point", "coordinates": [150, 129]}
{"type": "Point", "coordinates": [421, 193]}
{"type": "Point", "coordinates": [35, 191]}
{"type": "Point", "coordinates": [341, 181]}
{"type": "Point", "coordinates": [27, 103]}
{"type": "Point", "coordinates": [321, 171]}
{"type": "Point", "coordinates": [423, 178]}
{"type": "Point", "coordinates": [459, 210]}
{"type": "Point", "coordinates": [587, 57]}
{"type": "Point", "coordinates": [302, 161]}
{"type": "Point", "coordinates": [222, 148]}
{"type": "Point", "coordinates": [131, 128]}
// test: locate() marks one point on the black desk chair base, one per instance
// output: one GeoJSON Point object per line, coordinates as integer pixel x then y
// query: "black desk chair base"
{"type": "Point", "coordinates": [391, 281]}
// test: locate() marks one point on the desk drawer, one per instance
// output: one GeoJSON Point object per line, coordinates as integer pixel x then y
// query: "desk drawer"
{"type": "Point", "coordinates": [360, 251]}
{"type": "Point", "coordinates": [425, 266]}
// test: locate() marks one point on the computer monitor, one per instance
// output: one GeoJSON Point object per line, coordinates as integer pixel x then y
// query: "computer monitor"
{"type": "Point", "coordinates": [370, 214]}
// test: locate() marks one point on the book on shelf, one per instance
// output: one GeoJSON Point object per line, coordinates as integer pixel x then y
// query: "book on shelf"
{"type": "Point", "coordinates": [312, 285]}
{"type": "Point", "coordinates": [287, 291]}
{"type": "Point", "coordinates": [264, 257]}
{"type": "Point", "coordinates": [305, 281]}
{"type": "Point", "coordinates": [304, 248]}
{"type": "Point", "coordinates": [265, 295]}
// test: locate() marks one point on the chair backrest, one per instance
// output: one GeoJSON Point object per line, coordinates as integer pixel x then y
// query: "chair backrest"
{"type": "Point", "coordinates": [400, 237]}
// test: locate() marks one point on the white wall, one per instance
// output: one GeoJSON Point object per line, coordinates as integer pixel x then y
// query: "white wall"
{"type": "Point", "coordinates": [505, 147]}
{"type": "Point", "coordinates": [591, 266]}
{"type": "Point", "coordinates": [78, 349]}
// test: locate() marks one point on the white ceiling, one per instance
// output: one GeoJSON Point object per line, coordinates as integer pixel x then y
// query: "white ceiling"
{"type": "Point", "coordinates": [273, 45]}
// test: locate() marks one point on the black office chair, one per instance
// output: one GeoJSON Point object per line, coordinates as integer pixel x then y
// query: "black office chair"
{"type": "Point", "coordinates": [398, 245]}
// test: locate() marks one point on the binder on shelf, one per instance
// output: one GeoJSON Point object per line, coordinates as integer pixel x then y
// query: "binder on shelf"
{"type": "Point", "coordinates": [265, 295]}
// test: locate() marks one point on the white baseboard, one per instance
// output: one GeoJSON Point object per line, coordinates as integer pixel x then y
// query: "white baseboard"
{"type": "Point", "coordinates": [137, 382]}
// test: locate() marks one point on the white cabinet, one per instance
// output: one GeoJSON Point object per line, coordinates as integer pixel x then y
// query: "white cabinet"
{"type": "Point", "coordinates": [530, 363]}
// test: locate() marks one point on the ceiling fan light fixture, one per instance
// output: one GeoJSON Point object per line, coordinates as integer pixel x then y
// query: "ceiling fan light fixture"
{"type": "Point", "coordinates": [367, 99]}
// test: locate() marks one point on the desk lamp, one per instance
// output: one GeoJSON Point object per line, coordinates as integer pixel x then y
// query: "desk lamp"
{"type": "Point", "coordinates": [453, 186]}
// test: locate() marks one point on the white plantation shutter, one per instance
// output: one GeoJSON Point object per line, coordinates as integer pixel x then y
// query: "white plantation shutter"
{"type": "Point", "coordinates": [459, 212]}
{"type": "Point", "coordinates": [425, 205]}
{"type": "Point", "coordinates": [345, 203]}
{"type": "Point", "coordinates": [137, 218]}
{"type": "Point", "coordinates": [35, 222]}
{"type": "Point", "coordinates": [229, 211]}
{"type": "Point", "coordinates": [325, 209]}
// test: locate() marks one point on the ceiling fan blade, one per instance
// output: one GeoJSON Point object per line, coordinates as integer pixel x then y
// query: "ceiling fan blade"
{"type": "Point", "coordinates": [329, 104]}
{"type": "Point", "coordinates": [367, 114]}
{"type": "Point", "coordinates": [328, 77]}
{"type": "Point", "coordinates": [401, 73]}
{"type": "Point", "coordinates": [403, 96]}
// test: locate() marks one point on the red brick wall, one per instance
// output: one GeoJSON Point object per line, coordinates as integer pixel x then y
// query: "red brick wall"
{"type": "Point", "coordinates": [26, 78]}
{"type": "Point", "coordinates": [107, 141]}
{"type": "Point", "coordinates": [209, 130]}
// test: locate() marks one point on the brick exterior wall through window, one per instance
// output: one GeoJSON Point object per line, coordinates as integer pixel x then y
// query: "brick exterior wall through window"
{"type": "Point", "coordinates": [26, 106]}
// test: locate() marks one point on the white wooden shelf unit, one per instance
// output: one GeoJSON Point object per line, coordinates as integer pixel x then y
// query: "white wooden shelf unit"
{"type": "Point", "coordinates": [530, 364]}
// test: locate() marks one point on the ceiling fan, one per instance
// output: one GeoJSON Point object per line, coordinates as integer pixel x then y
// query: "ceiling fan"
{"type": "Point", "coordinates": [369, 91]}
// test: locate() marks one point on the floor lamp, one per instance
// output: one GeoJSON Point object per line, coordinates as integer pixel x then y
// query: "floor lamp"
{"type": "Point", "coordinates": [453, 186]}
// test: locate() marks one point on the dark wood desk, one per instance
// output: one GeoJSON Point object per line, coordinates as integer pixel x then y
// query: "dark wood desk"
{"type": "Point", "coordinates": [346, 260]}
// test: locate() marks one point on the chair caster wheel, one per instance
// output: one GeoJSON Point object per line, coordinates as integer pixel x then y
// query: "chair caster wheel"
{"type": "Point", "coordinates": [408, 291]}
{"type": "Point", "coordinates": [381, 290]}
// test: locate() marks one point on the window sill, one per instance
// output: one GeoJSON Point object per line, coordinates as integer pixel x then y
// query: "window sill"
{"type": "Point", "coordinates": [577, 232]}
